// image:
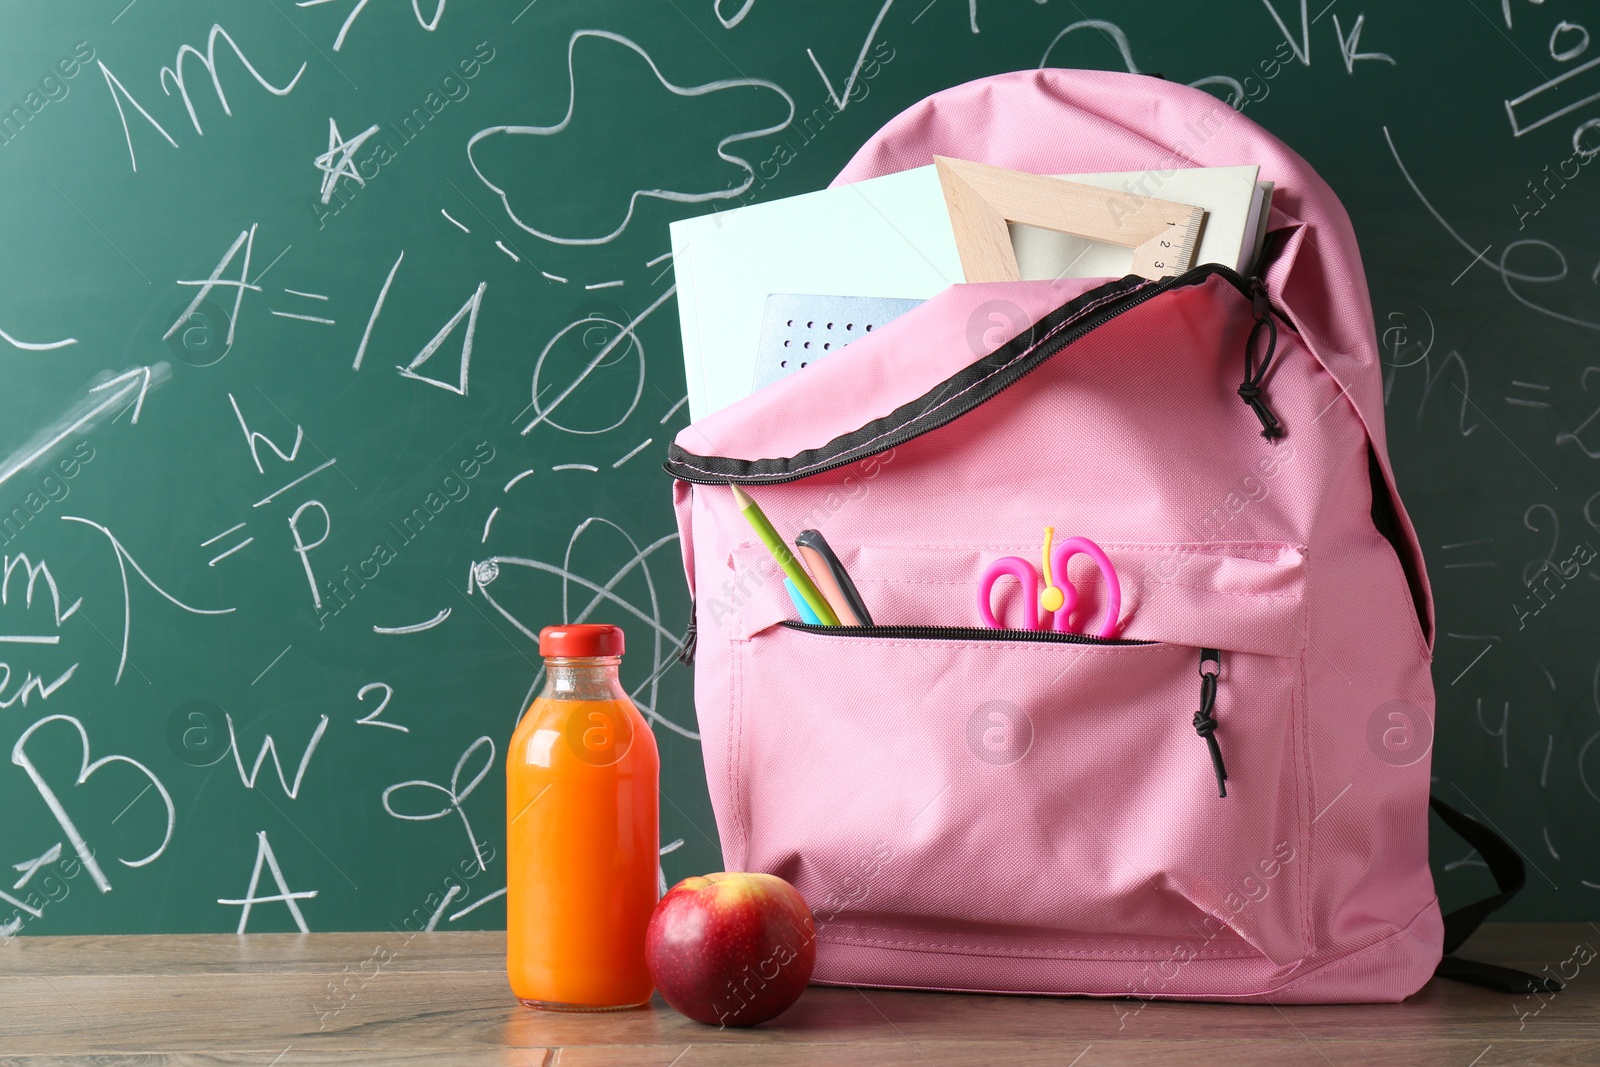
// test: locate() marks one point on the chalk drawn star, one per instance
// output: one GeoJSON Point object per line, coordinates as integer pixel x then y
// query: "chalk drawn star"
{"type": "Point", "coordinates": [339, 160]}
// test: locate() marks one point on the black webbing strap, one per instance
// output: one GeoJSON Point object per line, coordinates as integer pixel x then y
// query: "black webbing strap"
{"type": "Point", "coordinates": [1505, 866]}
{"type": "Point", "coordinates": [1509, 874]}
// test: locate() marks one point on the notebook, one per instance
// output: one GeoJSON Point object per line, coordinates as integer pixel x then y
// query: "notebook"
{"type": "Point", "coordinates": [800, 328]}
{"type": "Point", "coordinates": [890, 237]}
{"type": "Point", "coordinates": [885, 237]}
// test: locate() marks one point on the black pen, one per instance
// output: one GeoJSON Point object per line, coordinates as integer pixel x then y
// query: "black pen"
{"type": "Point", "coordinates": [832, 579]}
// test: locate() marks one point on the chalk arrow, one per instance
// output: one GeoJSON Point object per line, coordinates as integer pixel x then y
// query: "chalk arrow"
{"type": "Point", "coordinates": [141, 373]}
{"type": "Point", "coordinates": [81, 416]}
{"type": "Point", "coordinates": [31, 867]}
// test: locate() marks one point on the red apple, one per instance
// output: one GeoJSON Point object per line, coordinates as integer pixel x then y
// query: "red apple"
{"type": "Point", "coordinates": [731, 949]}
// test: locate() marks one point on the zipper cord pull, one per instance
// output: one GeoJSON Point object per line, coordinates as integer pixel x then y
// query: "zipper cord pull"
{"type": "Point", "coordinates": [690, 638]}
{"type": "Point", "coordinates": [1205, 723]}
{"type": "Point", "coordinates": [1250, 390]}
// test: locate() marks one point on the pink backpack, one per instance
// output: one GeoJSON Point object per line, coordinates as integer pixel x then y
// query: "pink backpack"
{"type": "Point", "coordinates": [990, 810]}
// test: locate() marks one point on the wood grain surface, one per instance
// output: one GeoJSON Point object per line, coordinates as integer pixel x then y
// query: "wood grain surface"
{"type": "Point", "coordinates": [442, 999]}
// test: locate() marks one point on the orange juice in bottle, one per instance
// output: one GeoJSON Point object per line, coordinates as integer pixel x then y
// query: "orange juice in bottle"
{"type": "Point", "coordinates": [582, 833]}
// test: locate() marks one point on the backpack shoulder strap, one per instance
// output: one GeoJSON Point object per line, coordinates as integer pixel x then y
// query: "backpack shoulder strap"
{"type": "Point", "coordinates": [1510, 875]}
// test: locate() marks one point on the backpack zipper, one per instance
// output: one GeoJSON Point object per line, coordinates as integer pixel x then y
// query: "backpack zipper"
{"type": "Point", "coordinates": [960, 633]}
{"type": "Point", "coordinates": [923, 633]}
{"type": "Point", "coordinates": [1250, 391]}
{"type": "Point", "coordinates": [1205, 720]}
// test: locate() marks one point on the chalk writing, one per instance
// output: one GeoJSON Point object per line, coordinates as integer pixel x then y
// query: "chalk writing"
{"type": "Point", "coordinates": [126, 390]}
{"type": "Point", "coordinates": [469, 312]}
{"type": "Point", "coordinates": [289, 898]}
{"type": "Point", "coordinates": [269, 747]}
{"type": "Point", "coordinates": [455, 793]}
{"type": "Point", "coordinates": [172, 77]}
{"type": "Point", "coordinates": [371, 718]}
{"type": "Point", "coordinates": [660, 193]}
{"type": "Point", "coordinates": [20, 757]}
{"type": "Point", "coordinates": [124, 561]}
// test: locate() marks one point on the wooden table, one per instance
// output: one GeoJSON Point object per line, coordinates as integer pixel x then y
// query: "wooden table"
{"type": "Point", "coordinates": [441, 999]}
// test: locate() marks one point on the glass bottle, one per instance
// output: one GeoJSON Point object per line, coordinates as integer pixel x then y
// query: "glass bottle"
{"type": "Point", "coordinates": [582, 832]}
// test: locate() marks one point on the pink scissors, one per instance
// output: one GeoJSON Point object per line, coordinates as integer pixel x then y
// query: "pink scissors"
{"type": "Point", "coordinates": [1050, 606]}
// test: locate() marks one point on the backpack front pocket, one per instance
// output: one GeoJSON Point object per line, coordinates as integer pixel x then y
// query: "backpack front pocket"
{"type": "Point", "coordinates": [989, 792]}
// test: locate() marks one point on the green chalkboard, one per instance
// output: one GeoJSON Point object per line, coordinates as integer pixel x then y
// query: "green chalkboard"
{"type": "Point", "coordinates": [339, 354]}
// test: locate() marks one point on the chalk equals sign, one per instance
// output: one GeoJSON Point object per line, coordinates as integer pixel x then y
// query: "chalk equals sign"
{"type": "Point", "coordinates": [1520, 402]}
{"type": "Point", "coordinates": [231, 551]}
{"type": "Point", "coordinates": [1561, 95]}
{"type": "Point", "coordinates": [1468, 544]}
{"type": "Point", "coordinates": [318, 319]}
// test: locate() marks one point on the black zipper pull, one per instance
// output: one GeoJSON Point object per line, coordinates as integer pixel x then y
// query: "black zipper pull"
{"type": "Point", "coordinates": [1250, 390]}
{"type": "Point", "coordinates": [1205, 722]}
{"type": "Point", "coordinates": [690, 638]}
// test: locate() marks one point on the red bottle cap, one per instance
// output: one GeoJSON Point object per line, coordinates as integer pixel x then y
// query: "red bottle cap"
{"type": "Point", "coordinates": [581, 640]}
